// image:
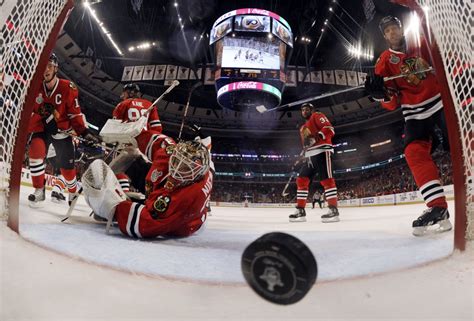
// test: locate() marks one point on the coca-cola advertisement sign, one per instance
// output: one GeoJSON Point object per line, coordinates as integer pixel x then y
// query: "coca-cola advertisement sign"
{"type": "Point", "coordinates": [246, 85]}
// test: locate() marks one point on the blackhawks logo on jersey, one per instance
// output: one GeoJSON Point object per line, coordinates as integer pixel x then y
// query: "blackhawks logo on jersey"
{"type": "Point", "coordinates": [414, 64]}
{"type": "Point", "coordinates": [161, 205]}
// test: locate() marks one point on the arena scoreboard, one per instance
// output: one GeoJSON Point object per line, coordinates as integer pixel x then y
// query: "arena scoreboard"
{"type": "Point", "coordinates": [251, 46]}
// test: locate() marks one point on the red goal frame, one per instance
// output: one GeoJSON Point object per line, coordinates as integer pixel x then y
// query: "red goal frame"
{"type": "Point", "coordinates": [455, 143]}
{"type": "Point", "coordinates": [22, 133]}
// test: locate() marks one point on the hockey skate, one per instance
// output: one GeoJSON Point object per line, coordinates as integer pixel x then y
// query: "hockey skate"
{"type": "Point", "coordinates": [433, 220]}
{"type": "Point", "coordinates": [57, 197]}
{"type": "Point", "coordinates": [331, 216]}
{"type": "Point", "coordinates": [37, 198]}
{"type": "Point", "coordinates": [298, 216]}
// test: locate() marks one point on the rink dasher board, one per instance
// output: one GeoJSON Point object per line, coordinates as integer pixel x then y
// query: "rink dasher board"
{"type": "Point", "coordinates": [413, 197]}
{"type": "Point", "coordinates": [406, 198]}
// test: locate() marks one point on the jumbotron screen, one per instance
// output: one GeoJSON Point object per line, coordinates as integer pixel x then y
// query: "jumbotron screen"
{"type": "Point", "coordinates": [251, 53]}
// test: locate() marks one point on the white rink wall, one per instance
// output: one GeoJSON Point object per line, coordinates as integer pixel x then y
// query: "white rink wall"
{"type": "Point", "coordinates": [412, 197]}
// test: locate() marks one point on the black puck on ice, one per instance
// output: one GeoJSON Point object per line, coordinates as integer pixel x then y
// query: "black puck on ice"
{"type": "Point", "coordinates": [279, 267]}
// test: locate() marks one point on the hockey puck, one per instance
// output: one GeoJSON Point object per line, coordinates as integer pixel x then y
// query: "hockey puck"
{"type": "Point", "coordinates": [279, 267]}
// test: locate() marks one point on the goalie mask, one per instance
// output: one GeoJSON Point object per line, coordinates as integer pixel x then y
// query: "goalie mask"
{"type": "Point", "coordinates": [189, 162]}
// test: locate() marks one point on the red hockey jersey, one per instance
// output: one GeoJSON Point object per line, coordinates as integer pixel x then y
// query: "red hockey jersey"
{"type": "Point", "coordinates": [179, 212]}
{"type": "Point", "coordinates": [158, 149]}
{"type": "Point", "coordinates": [64, 97]}
{"type": "Point", "coordinates": [317, 132]}
{"type": "Point", "coordinates": [175, 212]}
{"type": "Point", "coordinates": [417, 94]}
{"type": "Point", "coordinates": [133, 108]}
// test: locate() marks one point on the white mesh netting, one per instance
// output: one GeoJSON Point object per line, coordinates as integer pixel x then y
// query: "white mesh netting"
{"type": "Point", "coordinates": [451, 22]}
{"type": "Point", "coordinates": [26, 26]}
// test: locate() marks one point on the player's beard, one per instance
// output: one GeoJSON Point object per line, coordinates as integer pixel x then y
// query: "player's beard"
{"type": "Point", "coordinates": [398, 44]}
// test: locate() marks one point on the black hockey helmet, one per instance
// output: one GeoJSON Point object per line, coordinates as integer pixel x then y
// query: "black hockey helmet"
{"type": "Point", "coordinates": [134, 88]}
{"type": "Point", "coordinates": [309, 105]}
{"type": "Point", "coordinates": [389, 20]}
{"type": "Point", "coordinates": [53, 59]}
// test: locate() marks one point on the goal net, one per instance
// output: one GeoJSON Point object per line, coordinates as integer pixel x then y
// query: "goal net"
{"type": "Point", "coordinates": [28, 34]}
{"type": "Point", "coordinates": [450, 23]}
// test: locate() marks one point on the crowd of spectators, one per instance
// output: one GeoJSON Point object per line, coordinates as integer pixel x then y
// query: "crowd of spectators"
{"type": "Point", "coordinates": [393, 178]}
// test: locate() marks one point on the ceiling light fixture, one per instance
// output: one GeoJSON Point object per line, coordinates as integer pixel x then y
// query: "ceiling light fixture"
{"type": "Point", "coordinates": [92, 12]}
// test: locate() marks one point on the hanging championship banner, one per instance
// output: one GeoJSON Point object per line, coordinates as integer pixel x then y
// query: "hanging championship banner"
{"type": "Point", "coordinates": [317, 77]}
{"type": "Point", "coordinates": [341, 77]}
{"type": "Point", "coordinates": [291, 77]}
{"type": "Point", "coordinates": [148, 73]}
{"type": "Point", "coordinates": [300, 76]}
{"type": "Point", "coordinates": [195, 74]}
{"type": "Point", "coordinates": [171, 72]}
{"type": "Point", "coordinates": [362, 76]}
{"type": "Point", "coordinates": [328, 77]}
{"type": "Point", "coordinates": [352, 78]}
{"type": "Point", "coordinates": [127, 73]}
{"type": "Point", "coordinates": [138, 73]}
{"type": "Point", "coordinates": [183, 73]}
{"type": "Point", "coordinates": [159, 72]}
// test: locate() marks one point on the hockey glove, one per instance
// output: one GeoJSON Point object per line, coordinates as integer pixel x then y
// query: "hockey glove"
{"type": "Point", "coordinates": [375, 87]}
{"type": "Point", "coordinates": [196, 130]}
{"type": "Point", "coordinates": [46, 111]}
{"type": "Point", "coordinates": [309, 141]}
{"type": "Point", "coordinates": [90, 139]}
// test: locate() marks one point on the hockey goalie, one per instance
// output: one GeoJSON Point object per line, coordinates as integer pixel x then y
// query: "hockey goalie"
{"type": "Point", "coordinates": [178, 187]}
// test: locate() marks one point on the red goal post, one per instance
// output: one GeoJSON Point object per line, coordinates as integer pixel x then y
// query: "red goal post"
{"type": "Point", "coordinates": [28, 35]}
{"type": "Point", "coordinates": [447, 25]}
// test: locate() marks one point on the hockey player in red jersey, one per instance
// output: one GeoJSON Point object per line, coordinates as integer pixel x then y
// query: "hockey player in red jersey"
{"type": "Point", "coordinates": [420, 100]}
{"type": "Point", "coordinates": [179, 184]}
{"type": "Point", "coordinates": [316, 137]}
{"type": "Point", "coordinates": [133, 107]}
{"type": "Point", "coordinates": [56, 113]}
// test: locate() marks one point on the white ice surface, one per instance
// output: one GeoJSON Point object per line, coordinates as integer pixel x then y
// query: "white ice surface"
{"type": "Point", "coordinates": [365, 241]}
{"type": "Point", "coordinates": [230, 59]}
{"type": "Point", "coordinates": [39, 284]}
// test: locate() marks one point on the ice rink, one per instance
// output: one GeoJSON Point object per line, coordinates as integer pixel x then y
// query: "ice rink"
{"type": "Point", "coordinates": [370, 267]}
{"type": "Point", "coordinates": [231, 58]}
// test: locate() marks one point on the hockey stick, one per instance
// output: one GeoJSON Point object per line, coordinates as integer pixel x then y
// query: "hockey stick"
{"type": "Point", "coordinates": [194, 87]}
{"type": "Point", "coordinates": [284, 193]}
{"type": "Point", "coordinates": [167, 91]}
{"type": "Point", "coordinates": [262, 109]}
{"type": "Point", "coordinates": [83, 140]}
{"type": "Point", "coordinates": [293, 173]}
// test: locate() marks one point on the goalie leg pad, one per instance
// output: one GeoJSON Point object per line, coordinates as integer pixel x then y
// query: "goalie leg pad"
{"type": "Point", "coordinates": [101, 189]}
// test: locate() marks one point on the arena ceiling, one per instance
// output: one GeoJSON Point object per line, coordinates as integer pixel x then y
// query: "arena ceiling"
{"type": "Point", "coordinates": [176, 28]}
